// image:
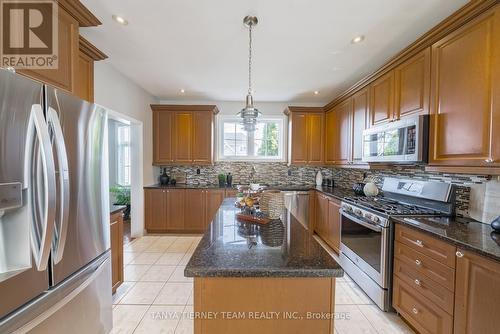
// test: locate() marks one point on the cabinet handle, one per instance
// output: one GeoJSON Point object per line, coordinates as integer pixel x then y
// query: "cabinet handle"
{"type": "Point", "coordinates": [459, 254]}
{"type": "Point", "coordinates": [489, 161]}
{"type": "Point", "coordinates": [417, 282]}
{"type": "Point", "coordinates": [420, 243]}
{"type": "Point", "coordinates": [163, 191]}
{"type": "Point", "coordinates": [418, 262]}
{"type": "Point", "coordinates": [414, 310]}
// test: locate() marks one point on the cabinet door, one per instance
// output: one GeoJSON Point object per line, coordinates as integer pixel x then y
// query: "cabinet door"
{"type": "Point", "coordinates": [359, 120]}
{"type": "Point", "coordinates": [477, 294]}
{"type": "Point", "coordinates": [382, 99]}
{"type": "Point", "coordinates": [315, 138]}
{"type": "Point", "coordinates": [299, 141]}
{"type": "Point", "coordinates": [116, 237]}
{"type": "Point", "coordinates": [84, 83]}
{"type": "Point", "coordinates": [465, 95]}
{"type": "Point", "coordinates": [68, 39]}
{"type": "Point", "coordinates": [334, 224]}
{"type": "Point", "coordinates": [194, 210]}
{"type": "Point", "coordinates": [321, 216]}
{"type": "Point", "coordinates": [344, 131]}
{"type": "Point", "coordinates": [162, 138]}
{"type": "Point", "coordinates": [183, 137]}
{"type": "Point", "coordinates": [155, 210]}
{"type": "Point", "coordinates": [176, 199]}
{"type": "Point", "coordinates": [330, 136]}
{"type": "Point", "coordinates": [215, 197]}
{"type": "Point", "coordinates": [202, 138]}
{"type": "Point", "coordinates": [412, 85]}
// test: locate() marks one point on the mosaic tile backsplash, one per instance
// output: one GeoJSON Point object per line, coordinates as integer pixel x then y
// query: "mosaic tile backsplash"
{"type": "Point", "coordinates": [274, 173]}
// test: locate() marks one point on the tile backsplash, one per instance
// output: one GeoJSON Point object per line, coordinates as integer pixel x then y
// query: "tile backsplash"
{"type": "Point", "coordinates": [278, 173]}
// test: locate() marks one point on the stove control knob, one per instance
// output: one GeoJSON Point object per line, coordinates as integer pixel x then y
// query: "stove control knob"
{"type": "Point", "coordinates": [368, 216]}
{"type": "Point", "coordinates": [347, 207]}
{"type": "Point", "coordinates": [375, 219]}
{"type": "Point", "coordinates": [357, 211]}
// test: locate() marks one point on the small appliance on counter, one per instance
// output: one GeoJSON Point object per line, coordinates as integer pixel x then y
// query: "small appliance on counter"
{"type": "Point", "coordinates": [495, 224]}
{"type": "Point", "coordinates": [358, 188]}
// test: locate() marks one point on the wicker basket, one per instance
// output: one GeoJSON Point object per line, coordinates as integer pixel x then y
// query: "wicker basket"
{"type": "Point", "coordinates": [272, 203]}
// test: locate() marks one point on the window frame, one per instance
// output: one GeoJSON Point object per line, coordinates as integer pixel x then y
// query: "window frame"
{"type": "Point", "coordinates": [221, 119]}
{"type": "Point", "coordinates": [119, 147]}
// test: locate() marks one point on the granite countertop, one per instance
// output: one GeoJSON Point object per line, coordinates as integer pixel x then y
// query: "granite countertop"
{"type": "Point", "coordinates": [113, 208]}
{"type": "Point", "coordinates": [465, 233]}
{"type": "Point", "coordinates": [186, 186]}
{"type": "Point", "coordinates": [281, 248]}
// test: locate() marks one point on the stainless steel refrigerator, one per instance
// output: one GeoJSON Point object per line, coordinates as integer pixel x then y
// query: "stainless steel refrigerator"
{"type": "Point", "coordinates": [55, 271]}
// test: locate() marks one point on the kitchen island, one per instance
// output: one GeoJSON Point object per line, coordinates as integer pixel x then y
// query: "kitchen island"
{"type": "Point", "coordinates": [273, 278]}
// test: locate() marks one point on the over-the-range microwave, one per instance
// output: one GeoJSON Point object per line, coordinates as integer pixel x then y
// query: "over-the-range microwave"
{"type": "Point", "coordinates": [402, 141]}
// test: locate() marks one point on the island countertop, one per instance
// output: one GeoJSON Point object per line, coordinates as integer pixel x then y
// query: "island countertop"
{"type": "Point", "coordinates": [281, 248]}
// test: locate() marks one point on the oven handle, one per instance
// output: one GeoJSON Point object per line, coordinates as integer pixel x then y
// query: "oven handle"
{"type": "Point", "coordinates": [360, 222]}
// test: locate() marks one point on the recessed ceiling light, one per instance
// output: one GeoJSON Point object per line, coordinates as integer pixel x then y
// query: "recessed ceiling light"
{"type": "Point", "coordinates": [182, 91]}
{"type": "Point", "coordinates": [358, 39]}
{"type": "Point", "coordinates": [316, 92]}
{"type": "Point", "coordinates": [120, 20]}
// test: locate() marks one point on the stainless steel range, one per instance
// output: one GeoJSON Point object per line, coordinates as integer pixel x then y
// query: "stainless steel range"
{"type": "Point", "coordinates": [367, 234]}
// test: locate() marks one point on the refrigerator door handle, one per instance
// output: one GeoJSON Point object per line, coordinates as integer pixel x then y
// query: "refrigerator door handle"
{"type": "Point", "coordinates": [42, 199]}
{"type": "Point", "coordinates": [62, 174]}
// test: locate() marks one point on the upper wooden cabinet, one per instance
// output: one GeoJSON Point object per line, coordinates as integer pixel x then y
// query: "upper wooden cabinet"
{"type": "Point", "coordinates": [382, 99]}
{"type": "Point", "coordinates": [306, 133]}
{"type": "Point", "coordinates": [344, 130]}
{"type": "Point", "coordinates": [75, 72]}
{"type": "Point", "coordinates": [477, 294]}
{"type": "Point", "coordinates": [465, 104]}
{"type": "Point", "coordinates": [183, 134]}
{"type": "Point", "coordinates": [359, 123]}
{"type": "Point", "coordinates": [412, 85]}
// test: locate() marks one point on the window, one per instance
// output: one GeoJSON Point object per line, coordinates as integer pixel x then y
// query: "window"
{"type": "Point", "coordinates": [123, 155]}
{"type": "Point", "coordinates": [266, 143]}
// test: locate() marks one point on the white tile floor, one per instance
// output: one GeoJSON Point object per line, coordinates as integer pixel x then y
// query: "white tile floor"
{"type": "Point", "coordinates": [157, 298]}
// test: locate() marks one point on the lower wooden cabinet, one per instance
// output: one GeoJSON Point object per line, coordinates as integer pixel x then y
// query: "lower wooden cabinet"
{"type": "Point", "coordinates": [180, 210]}
{"type": "Point", "coordinates": [116, 236]}
{"type": "Point", "coordinates": [477, 294]}
{"type": "Point", "coordinates": [327, 220]}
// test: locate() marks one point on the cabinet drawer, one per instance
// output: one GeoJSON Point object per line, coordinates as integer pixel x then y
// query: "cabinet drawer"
{"type": "Point", "coordinates": [420, 312]}
{"type": "Point", "coordinates": [424, 265]}
{"type": "Point", "coordinates": [425, 286]}
{"type": "Point", "coordinates": [432, 247]}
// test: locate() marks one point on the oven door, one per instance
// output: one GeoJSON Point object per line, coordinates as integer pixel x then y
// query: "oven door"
{"type": "Point", "coordinates": [366, 245]}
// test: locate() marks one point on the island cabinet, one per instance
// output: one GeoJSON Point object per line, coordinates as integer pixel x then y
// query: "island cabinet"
{"type": "Point", "coordinates": [465, 96]}
{"type": "Point", "coordinates": [306, 133]}
{"type": "Point", "coordinates": [183, 134]}
{"type": "Point", "coordinates": [74, 73]}
{"type": "Point", "coordinates": [116, 237]}
{"type": "Point", "coordinates": [180, 210]}
{"type": "Point", "coordinates": [344, 130]}
{"type": "Point", "coordinates": [327, 220]}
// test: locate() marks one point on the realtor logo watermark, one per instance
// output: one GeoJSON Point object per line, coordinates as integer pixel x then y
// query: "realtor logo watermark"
{"type": "Point", "coordinates": [29, 34]}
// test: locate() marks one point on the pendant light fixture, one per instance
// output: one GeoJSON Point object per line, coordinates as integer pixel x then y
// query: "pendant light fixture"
{"type": "Point", "coordinates": [249, 114]}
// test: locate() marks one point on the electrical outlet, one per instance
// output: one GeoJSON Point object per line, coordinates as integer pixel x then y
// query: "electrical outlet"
{"type": "Point", "coordinates": [289, 172]}
{"type": "Point", "coordinates": [198, 172]}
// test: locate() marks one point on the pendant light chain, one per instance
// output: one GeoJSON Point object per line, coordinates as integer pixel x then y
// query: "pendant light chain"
{"type": "Point", "coordinates": [250, 60]}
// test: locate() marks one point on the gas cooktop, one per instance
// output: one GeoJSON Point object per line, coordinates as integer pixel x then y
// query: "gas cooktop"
{"type": "Point", "coordinates": [390, 207]}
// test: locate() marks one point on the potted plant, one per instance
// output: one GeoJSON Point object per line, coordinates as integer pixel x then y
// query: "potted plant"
{"type": "Point", "coordinates": [122, 197]}
{"type": "Point", "coordinates": [222, 180]}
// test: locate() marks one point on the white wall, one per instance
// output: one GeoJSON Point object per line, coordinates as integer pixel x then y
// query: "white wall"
{"type": "Point", "coordinates": [129, 103]}
{"type": "Point", "coordinates": [115, 91]}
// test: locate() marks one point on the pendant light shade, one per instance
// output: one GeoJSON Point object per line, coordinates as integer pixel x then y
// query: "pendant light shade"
{"type": "Point", "coordinates": [249, 114]}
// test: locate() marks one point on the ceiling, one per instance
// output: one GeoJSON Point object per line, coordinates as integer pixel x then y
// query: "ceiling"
{"type": "Point", "coordinates": [300, 46]}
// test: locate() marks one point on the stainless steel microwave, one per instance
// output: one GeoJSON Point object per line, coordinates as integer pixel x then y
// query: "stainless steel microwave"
{"type": "Point", "coordinates": [402, 141]}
